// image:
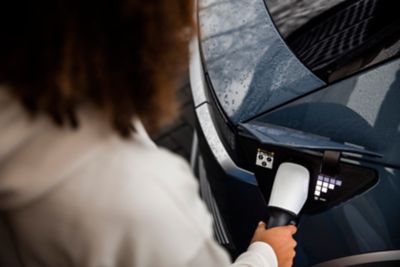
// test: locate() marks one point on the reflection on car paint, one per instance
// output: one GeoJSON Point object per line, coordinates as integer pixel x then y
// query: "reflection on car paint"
{"type": "Point", "coordinates": [250, 67]}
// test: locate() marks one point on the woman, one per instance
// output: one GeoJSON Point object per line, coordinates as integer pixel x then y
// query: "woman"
{"type": "Point", "coordinates": [81, 183]}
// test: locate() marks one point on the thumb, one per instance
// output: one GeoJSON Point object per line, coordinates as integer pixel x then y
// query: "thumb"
{"type": "Point", "coordinates": [261, 225]}
{"type": "Point", "coordinates": [292, 229]}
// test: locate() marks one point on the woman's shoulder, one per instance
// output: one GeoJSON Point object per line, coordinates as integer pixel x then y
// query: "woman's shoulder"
{"type": "Point", "coordinates": [151, 191]}
{"type": "Point", "coordinates": [137, 173]}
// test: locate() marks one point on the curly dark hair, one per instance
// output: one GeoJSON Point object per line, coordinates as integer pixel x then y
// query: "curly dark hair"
{"type": "Point", "coordinates": [125, 57]}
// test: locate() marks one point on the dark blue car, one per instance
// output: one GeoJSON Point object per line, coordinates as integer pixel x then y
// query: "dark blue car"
{"type": "Point", "coordinates": [316, 83]}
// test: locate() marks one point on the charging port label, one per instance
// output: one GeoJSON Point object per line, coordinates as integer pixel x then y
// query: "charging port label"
{"type": "Point", "coordinates": [265, 159]}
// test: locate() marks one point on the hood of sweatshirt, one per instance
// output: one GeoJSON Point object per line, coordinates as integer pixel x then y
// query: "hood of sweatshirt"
{"type": "Point", "coordinates": [36, 156]}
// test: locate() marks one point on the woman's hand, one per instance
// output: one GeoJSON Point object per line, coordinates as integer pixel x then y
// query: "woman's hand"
{"type": "Point", "coordinates": [280, 239]}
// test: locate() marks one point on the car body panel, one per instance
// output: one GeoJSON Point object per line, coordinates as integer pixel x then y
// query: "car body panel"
{"type": "Point", "coordinates": [250, 67]}
{"type": "Point", "coordinates": [366, 223]}
{"type": "Point", "coordinates": [362, 110]}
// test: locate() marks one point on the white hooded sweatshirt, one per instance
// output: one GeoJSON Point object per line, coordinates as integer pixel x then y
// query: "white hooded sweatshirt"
{"type": "Point", "coordinates": [88, 198]}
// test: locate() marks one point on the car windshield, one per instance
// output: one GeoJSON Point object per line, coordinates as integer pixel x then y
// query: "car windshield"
{"type": "Point", "coordinates": [336, 38]}
{"type": "Point", "coordinates": [289, 15]}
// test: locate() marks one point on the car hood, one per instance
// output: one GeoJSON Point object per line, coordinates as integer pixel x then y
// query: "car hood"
{"type": "Point", "coordinates": [251, 69]}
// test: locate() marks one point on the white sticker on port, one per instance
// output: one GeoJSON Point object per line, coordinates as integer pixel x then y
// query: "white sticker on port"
{"type": "Point", "coordinates": [265, 159]}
